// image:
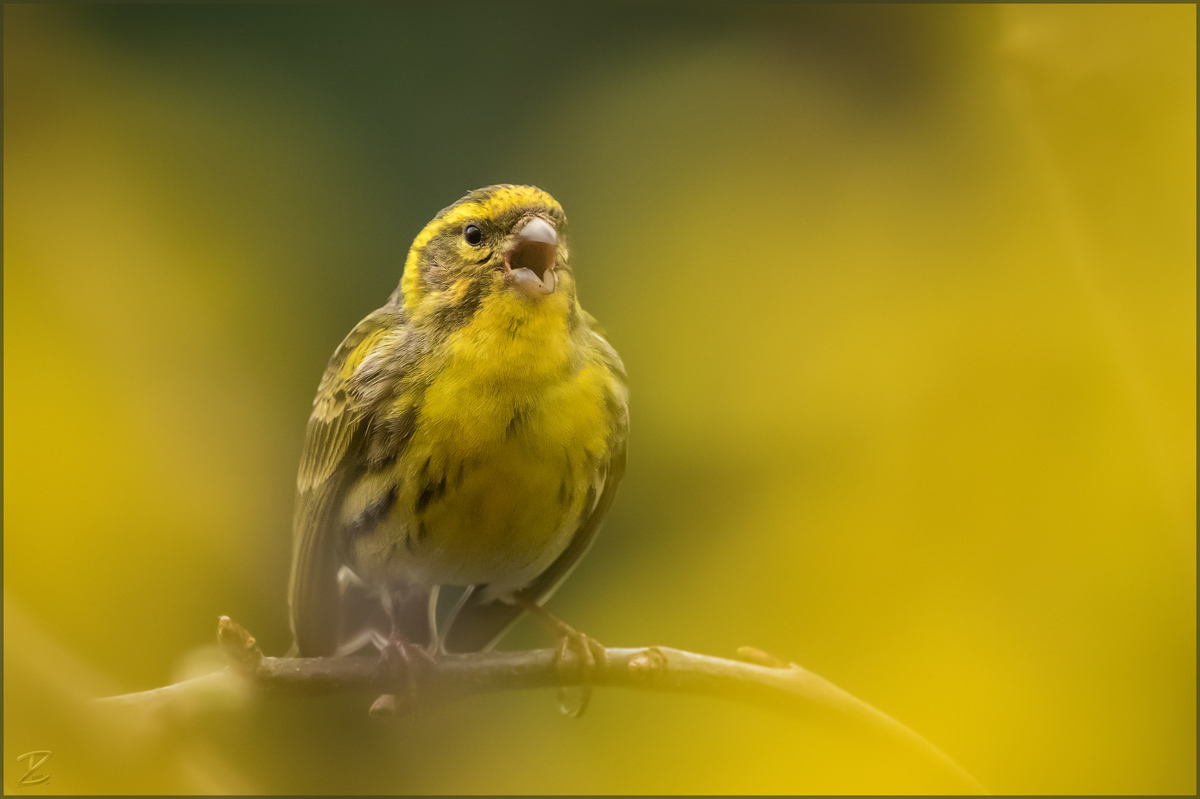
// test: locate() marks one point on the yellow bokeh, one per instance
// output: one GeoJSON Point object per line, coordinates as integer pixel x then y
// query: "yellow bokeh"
{"type": "Point", "coordinates": [907, 298]}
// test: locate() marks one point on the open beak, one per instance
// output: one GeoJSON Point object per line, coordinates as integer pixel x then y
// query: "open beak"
{"type": "Point", "coordinates": [529, 265]}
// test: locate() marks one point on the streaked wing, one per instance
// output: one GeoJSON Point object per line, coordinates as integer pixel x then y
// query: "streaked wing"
{"type": "Point", "coordinates": [333, 458]}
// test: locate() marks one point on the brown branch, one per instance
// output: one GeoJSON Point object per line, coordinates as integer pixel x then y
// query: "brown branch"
{"type": "Point", "coordinates": [757, 678]}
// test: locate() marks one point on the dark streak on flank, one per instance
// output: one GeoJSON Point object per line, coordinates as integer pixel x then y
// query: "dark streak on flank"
{"type": "Point", "coordinates": [515, 423]}
{"type": "Point", "coordinates": [429, 493]}
{"type": "Point", "coordinates": [567, 467]}
{"type": "Point", "coordinates": [588, 502]}
{"type": "Point", "coordinates": [366, 521]}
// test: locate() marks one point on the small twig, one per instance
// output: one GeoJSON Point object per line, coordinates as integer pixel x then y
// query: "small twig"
{"type": "Point", "coordinates": [757, 678]}
{"type": "Point", "coordinates": [239, 646]}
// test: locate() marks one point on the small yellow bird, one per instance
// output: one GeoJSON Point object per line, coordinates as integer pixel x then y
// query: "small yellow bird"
{"type": "Point", "coordinates": [471, 432]}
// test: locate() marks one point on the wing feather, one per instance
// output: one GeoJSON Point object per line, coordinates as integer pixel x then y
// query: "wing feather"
{"type": "Point", "coordinates": [332, 460]}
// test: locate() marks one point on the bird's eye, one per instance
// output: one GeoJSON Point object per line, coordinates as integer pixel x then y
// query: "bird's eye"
{"type": "Point", "coordinates": [473, 235]}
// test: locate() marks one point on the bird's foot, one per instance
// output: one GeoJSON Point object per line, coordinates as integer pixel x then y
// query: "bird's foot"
{"type": "Point", "coordinates": [592, 657]}
{"type": "Point", "coordinates": [401, 662]}
{"type": "Point", "coordinates": [590, 653]}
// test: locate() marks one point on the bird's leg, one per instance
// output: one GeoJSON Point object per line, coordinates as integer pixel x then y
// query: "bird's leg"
{"type": "Point", "coordinates": [439, 637]}
{"type": "Point", "coordinates": [591, 656]}
{"type": "Point", "coordinates": [400, 659]}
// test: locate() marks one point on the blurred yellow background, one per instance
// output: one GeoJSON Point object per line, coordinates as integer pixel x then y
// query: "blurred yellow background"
{"type": "Point", "coordinates": [907, 296]}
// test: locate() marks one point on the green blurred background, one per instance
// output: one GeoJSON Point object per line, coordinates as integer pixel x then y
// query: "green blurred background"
{"type": "Point", "coordinates": [906, 296]}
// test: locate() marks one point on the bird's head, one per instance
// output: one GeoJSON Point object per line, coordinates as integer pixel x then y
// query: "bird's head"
{"type": "Point", "coordinates": [503, 242]}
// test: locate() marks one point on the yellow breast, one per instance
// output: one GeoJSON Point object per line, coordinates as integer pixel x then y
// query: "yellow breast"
{"type": "Point", "coordinates": [511, 430]}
